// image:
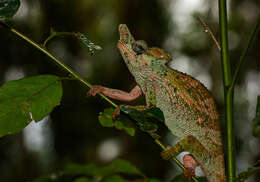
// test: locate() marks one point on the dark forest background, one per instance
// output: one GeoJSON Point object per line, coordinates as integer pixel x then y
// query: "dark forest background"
{"type": "Point", "coordinates": [72, 132]}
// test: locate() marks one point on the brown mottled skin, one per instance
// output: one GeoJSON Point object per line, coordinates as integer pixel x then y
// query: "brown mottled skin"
{"type": "Point", "coordinates": [188, 107]}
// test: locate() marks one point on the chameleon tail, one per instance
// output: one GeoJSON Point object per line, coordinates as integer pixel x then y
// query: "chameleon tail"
{"type": "Point", "coordinates": [215, 169]}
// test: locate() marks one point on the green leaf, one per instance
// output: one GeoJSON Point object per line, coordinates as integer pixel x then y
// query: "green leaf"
{"type": "Point", "coordinates": [143, 112]}
{"type": "Point", "coordinates": [88, 169]}
{"type": "Point", "coordinates": [122, 122]}
{"type": "Point", "coordinates": [115, 178]}
{"type": "Point", "coordinates": [143, 116]}
{"type": "Point", "coordinates": [24, 100]}
{"type": "Point", "coordinates": [256, 120]}
{"type": "Point", "coordinates": [77, 169]}
{"type": "Point", "coordinates": [82, 179]}
{"type": "Point", "coordinates": [117, 166]}
{"type": "Point", "coordinates": [8, 8]}
{"type": "Point", "coordinates": [125, 167]}
{"type": "Point", "coordinates": [86, 43]}
{"type": "Point", "coordinates": [246, 174]}
{"type": "Point", "coordinates": [49, 177]}
{"type": "Point", "coordinates": [105, 118]}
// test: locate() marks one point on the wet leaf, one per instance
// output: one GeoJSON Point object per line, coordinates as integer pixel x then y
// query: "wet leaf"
{"type": "Point", "coordinates": [86, 43]}
{"type": "Point", "coordinates": [24, 100]}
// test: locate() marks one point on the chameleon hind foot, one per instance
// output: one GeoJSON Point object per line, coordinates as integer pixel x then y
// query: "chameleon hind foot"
{"type": "Point", "coordinates": [190, 164]}
{"type": "Point", "coordinates": [188, 161]}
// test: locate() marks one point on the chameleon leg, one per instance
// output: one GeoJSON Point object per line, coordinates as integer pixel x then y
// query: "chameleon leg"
{"type": "Point", "coordinates": [189, 144]}
{"type": "Point", "coordinates": [190, 164]}
{"type": "Point", "coordinates": [116, 94]}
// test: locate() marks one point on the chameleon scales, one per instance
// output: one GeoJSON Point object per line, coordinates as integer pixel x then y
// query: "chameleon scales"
{"type": "Point", "coordinates": [188, 107]}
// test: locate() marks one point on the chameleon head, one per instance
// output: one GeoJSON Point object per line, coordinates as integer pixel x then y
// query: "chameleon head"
{"type": "Point", "coordinates": [137, 54]}
{"type": "Point", "coordinates": [125, 45]}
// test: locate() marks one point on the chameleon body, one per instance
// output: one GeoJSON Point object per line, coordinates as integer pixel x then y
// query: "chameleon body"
{"type": "Point", "coordinates": [189, 109]}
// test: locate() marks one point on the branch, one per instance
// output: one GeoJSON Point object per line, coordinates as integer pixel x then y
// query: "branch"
{"type": "Point", "coordinates": [228, 94]}
{"type": "Point", "coordinates": [207, 30]}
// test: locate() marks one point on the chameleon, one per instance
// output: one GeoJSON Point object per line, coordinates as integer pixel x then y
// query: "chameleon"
{"type": "Point", "coordinates": [188, 107]}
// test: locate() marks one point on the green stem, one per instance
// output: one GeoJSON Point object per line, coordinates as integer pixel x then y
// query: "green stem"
{"type": "Point", "coordinates": [228, 98]}
{"type": "Point", "coordinates": [77, 77]}
{"type": "Point", "coordinates": [244, 53]}
{"type": "Point", "coordinates": [54, 34]}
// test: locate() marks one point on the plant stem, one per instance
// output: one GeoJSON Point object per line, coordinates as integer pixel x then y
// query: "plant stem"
{"type": "Point", "coordinates": [54, 34]}
{"type": "Point", "coordinates": [228, 98]}
{"type": "Point", "coordinates": [244, 53]}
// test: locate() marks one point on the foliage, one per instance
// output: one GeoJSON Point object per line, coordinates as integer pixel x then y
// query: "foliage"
{"type": "Point", "coordinates": [24, 100]}
{"type": "Point", "coordinates": [117, 171]}
{"type": "Point", "coordinates": [243, 176]}
{"type": "Point", "coordinates": [122, 123]}
{"type": "Point", "coordinates": [82, 38]}
{"type": "Point", "coordinates": [143, 118]}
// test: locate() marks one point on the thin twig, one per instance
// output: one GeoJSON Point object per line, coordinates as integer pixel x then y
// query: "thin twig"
{"type": "Point", "coordinates": [207, 30]}
{"type": "Point", "coordinates": [55, 34]}
{"type": "Point", "coordinates": [244, 53]}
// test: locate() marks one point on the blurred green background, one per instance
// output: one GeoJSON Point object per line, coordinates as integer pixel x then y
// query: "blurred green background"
{"type": "Point", "coordinates": [72, 132]}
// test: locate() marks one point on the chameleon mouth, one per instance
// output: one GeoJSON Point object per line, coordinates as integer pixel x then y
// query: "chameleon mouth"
{"type": "Point", "coordinates": [126, 51]}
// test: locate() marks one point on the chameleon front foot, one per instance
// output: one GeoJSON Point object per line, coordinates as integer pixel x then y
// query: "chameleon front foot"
{"type": "Point", "coordinates": [116, 112]}
{"type": "Point", "coordinates": [96, 89]}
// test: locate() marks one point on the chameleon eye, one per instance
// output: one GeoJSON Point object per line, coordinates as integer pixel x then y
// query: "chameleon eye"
{"type": "Point", "coordinates": [140, 47]}
{"type": "Point", "coordinates": [139, 50]}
